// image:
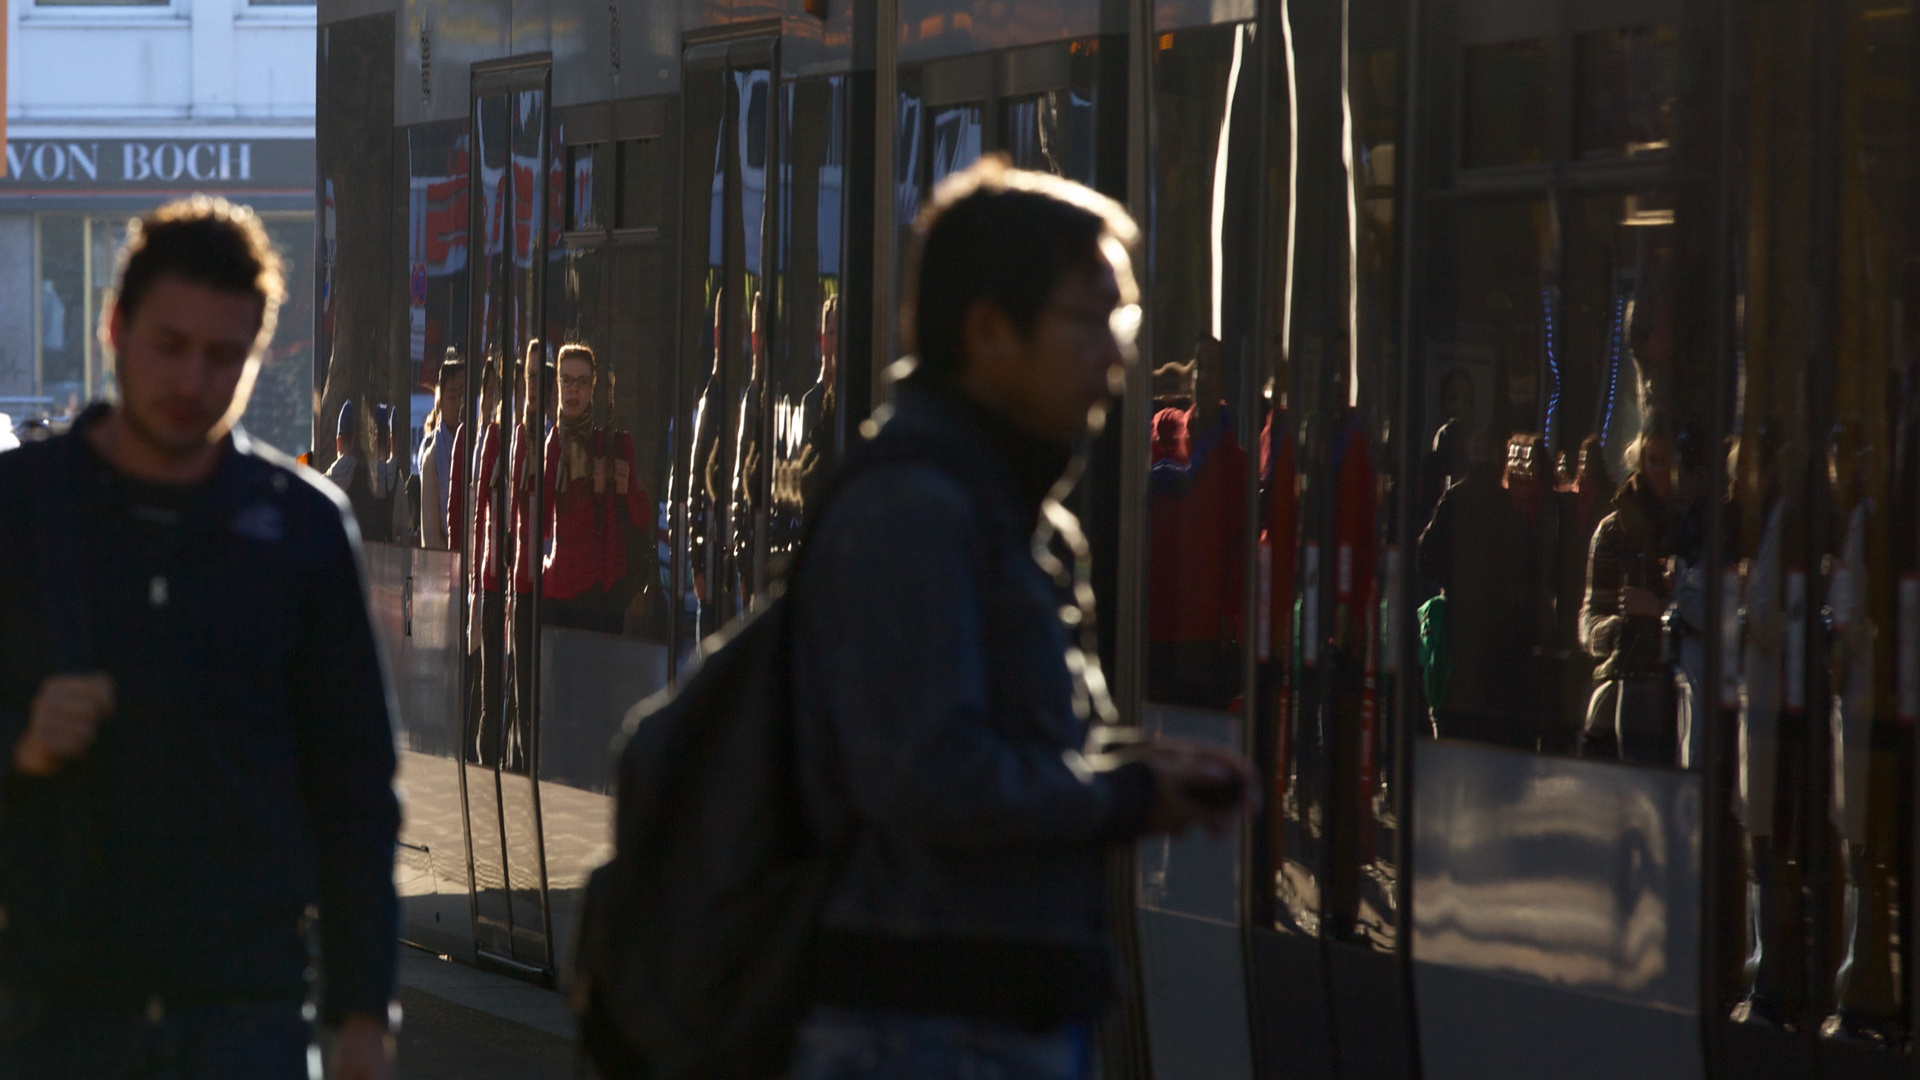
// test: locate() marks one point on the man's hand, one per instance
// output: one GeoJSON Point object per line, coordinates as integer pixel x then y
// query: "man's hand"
{"type": "Point", "coordinates": [1196, 784]}
{"type": "Point", "coordinates": [362, 1050]}
{"type": "Point", "coordinates": [62, 722]}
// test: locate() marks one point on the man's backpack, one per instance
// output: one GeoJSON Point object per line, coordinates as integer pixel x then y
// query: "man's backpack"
{"type": "Point", "coordinates": [695, 935]}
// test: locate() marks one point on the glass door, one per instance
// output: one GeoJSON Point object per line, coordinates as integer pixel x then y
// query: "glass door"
{"type": "Point", "coordinates": [512, 408]}
{"type": "Point", "coordinates": [722, 494]}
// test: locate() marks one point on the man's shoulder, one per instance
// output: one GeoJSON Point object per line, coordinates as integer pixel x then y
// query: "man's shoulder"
{"type": "Point", "coordinates": [913, 495]}
{"type": "Point", "coordinates": [306, 491]}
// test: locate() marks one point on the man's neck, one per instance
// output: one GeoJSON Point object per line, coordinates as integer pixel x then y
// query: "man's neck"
{"type": "Point", "coordinates": [129, 453]}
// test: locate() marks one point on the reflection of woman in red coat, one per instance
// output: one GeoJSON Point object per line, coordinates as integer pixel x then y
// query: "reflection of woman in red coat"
{"type": "Point", "coordinates": [471, 524]}
{"type": "Point", "coordinates": [1196, 516]}
{"type": "Point", "coordinates": [592, 501]}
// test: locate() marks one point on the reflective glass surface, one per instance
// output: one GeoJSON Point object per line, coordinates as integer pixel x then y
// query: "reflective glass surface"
{"type": "Point", "coordinates": [1508, 114]}
{"type": "Point", "coordinates": [1625, 86]}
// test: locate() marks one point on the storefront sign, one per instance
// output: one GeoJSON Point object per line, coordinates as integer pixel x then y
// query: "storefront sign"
{"type": "Point", "coordinates": [82, 164]}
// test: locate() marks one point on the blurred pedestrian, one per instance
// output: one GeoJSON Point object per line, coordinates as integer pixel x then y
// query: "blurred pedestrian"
{"type": "Point", "coordinates": [943, 700]}
{"type": "Point", "coordinates": [192, 711]}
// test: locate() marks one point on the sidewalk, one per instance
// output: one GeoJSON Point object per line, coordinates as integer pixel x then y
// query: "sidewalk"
{"type": "Point", "coordinates": [475, 1025]}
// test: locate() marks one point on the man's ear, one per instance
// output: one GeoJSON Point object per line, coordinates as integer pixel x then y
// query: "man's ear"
{"type": "Point", "coordinates": [112, 327]}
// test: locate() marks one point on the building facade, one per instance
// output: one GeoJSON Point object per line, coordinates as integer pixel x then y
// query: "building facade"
{"type": "Point", "coordinates": [114, 107]}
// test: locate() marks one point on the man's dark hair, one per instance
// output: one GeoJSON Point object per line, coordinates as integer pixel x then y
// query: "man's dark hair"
{"type": "Point", "coordinates": [1007, 236]}
{"type": "Point", "coordinates": [207, 241]}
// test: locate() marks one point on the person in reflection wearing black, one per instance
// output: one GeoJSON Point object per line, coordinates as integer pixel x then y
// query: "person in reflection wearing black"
{"type": "Point", "coordinates": [1630, 716]}
{"type": "Point", "coordinates": [438, 452]}
{"type": "Point", "coordinates": [194, 722]}
{"type": "Point", "coordinates": [1482, 550]}
{"type": "Point", "coordinates": [1861, 801]}
{"type": "Point", "coordinates": [349, 470]}
{"type": "Point", "coordinates": [474, 513]}
{"type": "Point", "coordinates": [1197, 516]}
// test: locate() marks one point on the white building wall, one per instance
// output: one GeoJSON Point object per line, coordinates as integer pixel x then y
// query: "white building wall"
{"type": "Point", "coordinates": [208, 60]}
{"type": "Point", "coordinates": [115, 108]}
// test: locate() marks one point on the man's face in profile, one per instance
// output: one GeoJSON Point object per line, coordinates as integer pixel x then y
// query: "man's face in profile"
{"type": "Point", "coordinates": [1073, 362]}
{"type": "Point", "coordinates": [185, 362]}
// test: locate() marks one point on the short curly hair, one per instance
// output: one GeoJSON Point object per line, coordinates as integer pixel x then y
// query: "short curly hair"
{"type": "Point", "coordinates": [205, 240]}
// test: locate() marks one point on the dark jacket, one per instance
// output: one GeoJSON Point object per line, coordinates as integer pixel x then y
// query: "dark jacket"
{"type": "Point", "coordinates": [1485, 552]}
{"type": "Point", "coordinates": [940, 743]}
{"type": "Point", "coordinates": [1629, 549]}
{"type": "Point", "coordinates": [247, 770]}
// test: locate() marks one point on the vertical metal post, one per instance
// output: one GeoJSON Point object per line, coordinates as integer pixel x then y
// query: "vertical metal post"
{"type": "Point", "coordinates": [886, 116]}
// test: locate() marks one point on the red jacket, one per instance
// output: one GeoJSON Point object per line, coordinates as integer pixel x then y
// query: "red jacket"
{"type": "Point", "coordinates": [586, 525]}
{"type": "Point", "coordinates": [1197, 516]}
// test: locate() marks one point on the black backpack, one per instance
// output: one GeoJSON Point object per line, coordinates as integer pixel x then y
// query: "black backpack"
{"type": "Point", "coordinates": [694, 937]}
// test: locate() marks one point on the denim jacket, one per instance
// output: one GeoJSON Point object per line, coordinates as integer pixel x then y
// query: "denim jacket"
{"type": "Point", "coordinates": [939, 742]}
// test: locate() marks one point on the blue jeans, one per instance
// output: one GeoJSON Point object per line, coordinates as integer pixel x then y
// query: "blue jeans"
{"type": "Point", "coordinates": [237, 1041]}
{"type": "Point", "coordinates": [848, 1044]}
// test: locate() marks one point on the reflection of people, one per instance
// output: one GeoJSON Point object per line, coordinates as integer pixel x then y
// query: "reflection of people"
{"type": "Point", "coordinates": [1196, 517]}
{"type": "Point", "coordinates": [1762, 669]}
{"type": "Point", "coordinates": [385, 482]}
{"type": "Point", "coordinates": [1580, 506]}
{"type": "Point", "coordinates": [437, 451]}
{"type": "Point", "coordinates": [1482, 549]}
{"type": "Point", "coordinates": [473, 511]}
{"type": "Point", "coordinates": [594, 500]}
{"type": "Point", "coordinates": [1631, 713]}
{"type": "Point", "coordinates": [352, 475]}
{"type": "Point", "coordinates": [1863, 999]}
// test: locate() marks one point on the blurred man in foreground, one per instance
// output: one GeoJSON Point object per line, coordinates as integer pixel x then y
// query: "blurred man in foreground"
{"type": "Point", "coordinates": [193, 718]}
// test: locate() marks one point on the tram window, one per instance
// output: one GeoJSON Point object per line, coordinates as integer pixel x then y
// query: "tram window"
{"type": "Point", "coordinates": [1202, 425]}
{"type": "Point", "coordinates": [1566, 472]}
{"type": "Point", "coordinates": [1052, 131]}
{"type": "Point", "coordinates": [587, 174]}
{"type": "Point", "coordinates": [641, 163]}
{"type": "Point", "coordinates": [1508, 109]}
{"type": "Point", "coordinates": [954, 139]}
{"type": "Point", "coordinates": [1625, 84]}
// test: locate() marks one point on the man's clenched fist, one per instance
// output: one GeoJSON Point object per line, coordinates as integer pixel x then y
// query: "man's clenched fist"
{"type": "Point", "coordinates": [65, 716]}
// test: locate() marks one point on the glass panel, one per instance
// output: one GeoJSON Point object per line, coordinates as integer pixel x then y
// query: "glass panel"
{"type": "Point", "coordinates": [437, 223]}
{"type": "Point", "coordinates": [1201, 417]}
{"type": "Point", "coordinates": [1822, 660]}
{"type": "Point", "coordinates": [62, 314]}
{"type": "Point", "coordinates": [1625, 84]}
{"type": "Point", "coordinates": [1872, 610]}
{"type": "Point", "coordinates": [806, 395]}
{"type": "Point", "coordinates": [281, 409]}
{"type": "Point", "coordinates": [1772, 522]}
{"type": "Point", "coordinates": [482, 517]}
{"type": "Point", "coordinates": [1368, 541]}
{"type": "Point", "coordinates": [1052, 132]}
{"type": "Point", "coordinates": [1508, 107]}
{"type": "Point", "coordinates": [583, 195]}
{"type": "Point", "coordinates": [642, 165]}
{"type": "Point", "coordinates": [1567, 464]}
{"type": "Point", "coordinates": [953, 140]}
{"type": "Point", "coordinates": [747, 517]}
{"type": "Point", "coordinates": [528, 393]}
{"type": "Point", "coordinates": [700, 498]}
